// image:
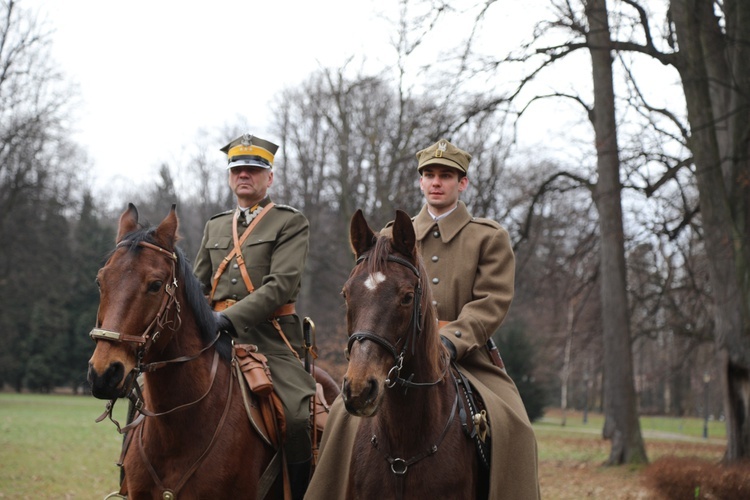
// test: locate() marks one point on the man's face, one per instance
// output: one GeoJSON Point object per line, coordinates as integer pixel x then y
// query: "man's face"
{"type": "Point", "coordinates": [250, 184]}
{"type": "Point", "coordinates": [441, 186]}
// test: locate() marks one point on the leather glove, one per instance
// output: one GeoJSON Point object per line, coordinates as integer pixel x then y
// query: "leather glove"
{"type": "Point", "coordinates": [449, 346]}
{"type": "Point", "coordinates": [224, 324]}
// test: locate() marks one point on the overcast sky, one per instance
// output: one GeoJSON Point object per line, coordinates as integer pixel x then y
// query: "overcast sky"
{"type": "Point", "coordinates": [153, 73]}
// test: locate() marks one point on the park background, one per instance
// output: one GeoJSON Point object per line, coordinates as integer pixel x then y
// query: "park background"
{"type": "Point", "coordinates": [617, 164]}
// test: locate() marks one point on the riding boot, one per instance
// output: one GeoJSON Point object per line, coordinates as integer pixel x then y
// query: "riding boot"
{"type": "Point", "coordinates": [299, 477]}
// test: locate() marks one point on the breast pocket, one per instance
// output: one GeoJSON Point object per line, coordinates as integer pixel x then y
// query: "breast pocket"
{"type": "Point", "coordinates": [218, 247]}
{"type": "Point", "coordinates": [258, 253]}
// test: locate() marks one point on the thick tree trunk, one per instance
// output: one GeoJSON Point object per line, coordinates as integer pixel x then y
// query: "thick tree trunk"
{"type": "Point", "coordinates": [716, 82]}
{"type": "Point", "coordinates": [622, 425]}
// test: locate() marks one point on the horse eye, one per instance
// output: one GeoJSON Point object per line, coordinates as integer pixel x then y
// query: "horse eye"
{"type": "Point", "coordinates": [407, 299]}
{"type": "Point", "coordinates": [155, 286]}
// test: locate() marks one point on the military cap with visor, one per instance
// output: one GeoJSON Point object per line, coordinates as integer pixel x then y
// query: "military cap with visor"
{"type": "Point", "coordinates": [250, 151]}
{"type": "Point", "coordinates": [444, 153]}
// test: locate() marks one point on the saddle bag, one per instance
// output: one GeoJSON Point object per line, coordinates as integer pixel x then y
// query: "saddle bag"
{"type": "Point", "coordinates": [254, 367]}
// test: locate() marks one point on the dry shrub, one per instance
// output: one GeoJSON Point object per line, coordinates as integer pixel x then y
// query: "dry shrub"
{"type": "Point", "coordinates": [679, 477]}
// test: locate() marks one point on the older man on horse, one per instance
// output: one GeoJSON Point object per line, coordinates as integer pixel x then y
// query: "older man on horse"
{"type": "Point", "coordinates": [471, 267]}
{"type": "Point", "coordinates": [250, 263]}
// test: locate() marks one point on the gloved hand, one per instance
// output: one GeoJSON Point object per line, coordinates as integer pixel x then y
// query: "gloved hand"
{"type": "Point", "coordinates": [224, 324]}
{"type": "Point", "coordinates": [449, 345]}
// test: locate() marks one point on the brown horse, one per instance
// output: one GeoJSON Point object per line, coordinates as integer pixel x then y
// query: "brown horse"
{"type": "Point", "coordinates": [196, 439]}
{"type": "Point", "coordinates": [413, 445]}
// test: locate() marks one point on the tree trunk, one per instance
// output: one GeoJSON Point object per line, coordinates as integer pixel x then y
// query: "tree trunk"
{"type": "Point", "coordinates": [622, 425]}
{"type": "Point", "coordinates": [719, 116]}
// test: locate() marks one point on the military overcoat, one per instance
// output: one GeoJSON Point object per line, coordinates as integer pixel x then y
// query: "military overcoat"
{"type": "Point", "coordinates": [471, 268]}
{"type": "Point", "coordinates": [274, 254]}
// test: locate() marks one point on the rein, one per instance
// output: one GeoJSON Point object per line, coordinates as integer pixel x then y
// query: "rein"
{"type": "Point", "coordinates": [394, 374]}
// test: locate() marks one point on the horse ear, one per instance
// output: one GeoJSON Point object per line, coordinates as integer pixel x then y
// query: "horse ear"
{"type": "Point", "coordinates": [361, 237]}
{"type": "Point", "coordinates": [404, 239]}
{"type": "Point", "coordinates": [128, 222]}
{"type": "Point", "coordinates": [166, 233]}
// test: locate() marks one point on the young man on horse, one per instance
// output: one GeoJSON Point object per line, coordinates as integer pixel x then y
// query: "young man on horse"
{"type": "Point", "coordinates": [250, 263]}
{"type": "Point", "coordinates": [471, 268]}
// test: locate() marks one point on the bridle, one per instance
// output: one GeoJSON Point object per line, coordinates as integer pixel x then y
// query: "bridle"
{"type": "Point", "coordinates": [154, 329]}
{"type": "Point", "coordinates": [146, 340]}
{"type": "Point", "coordinates": [416, 325]}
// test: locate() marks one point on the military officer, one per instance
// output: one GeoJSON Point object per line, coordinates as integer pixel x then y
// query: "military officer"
{"type": "Point", "coordinates": [250, 264]}
{"type": "Point", "coordinates": [471, 267]}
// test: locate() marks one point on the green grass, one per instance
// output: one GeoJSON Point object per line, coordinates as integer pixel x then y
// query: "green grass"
{"type": "Point", "coordinates": [51, 447]}
{"type": "Point", "coordinates": [652, 426]}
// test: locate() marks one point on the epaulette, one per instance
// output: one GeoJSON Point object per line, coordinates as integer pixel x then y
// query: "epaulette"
{"type": "Point", "coordinates": [487, 222]}
{"type": "Point", "coordinates": [286, 207]}
{"type": "Point", "coordinates": [390, 222]}
{"type": "Point", "coordinates": [228, 212]}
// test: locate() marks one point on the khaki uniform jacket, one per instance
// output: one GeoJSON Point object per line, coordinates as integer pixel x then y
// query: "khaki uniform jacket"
{"type": "Point", "coordinates": [275, 254]}
{"type": "Point", "coordinates": [471, 268]}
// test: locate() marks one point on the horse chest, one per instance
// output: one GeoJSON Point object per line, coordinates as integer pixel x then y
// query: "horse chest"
{"type": "Point", "coordinates": [408, 466]}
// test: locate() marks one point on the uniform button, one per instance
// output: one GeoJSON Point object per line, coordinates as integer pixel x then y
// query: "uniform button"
{"type": "Point", "coordinates": [236, 266]}
{"type": "Point", "coordinates": [234, 297]}
{"type": "Point", "coordinates": [244, 223]}
{"type": "Point", "coordinates": [457, 333]}
{"type": "Point", "coordinates": [435, 258]}
{"type": "Point", "coordinates": [436, 234]}
{"type": "Point", "coordinates": [234, 281]}
{"type": "Point", "coordinates": [435, 280]}
{"type": "Point", "coordinates": [434, 303]}
{"type": "Point", "coordinates": [216, 245]}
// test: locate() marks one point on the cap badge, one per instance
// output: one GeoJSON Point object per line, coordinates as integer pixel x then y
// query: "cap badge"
{"type": "Point", "coordinates": [247, 140]}
{"type": "Point", "coordinates": [442, 146]}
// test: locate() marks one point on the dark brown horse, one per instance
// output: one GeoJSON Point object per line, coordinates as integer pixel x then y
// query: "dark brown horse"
{"type": "Point", "coordinates": [196, 439]}
{"type": "Point", "coordinates": [413, 444]}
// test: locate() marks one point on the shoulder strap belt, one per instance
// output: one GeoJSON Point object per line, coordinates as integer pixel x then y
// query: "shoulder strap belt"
{"type": "Point", "coordinates": [237, 251]}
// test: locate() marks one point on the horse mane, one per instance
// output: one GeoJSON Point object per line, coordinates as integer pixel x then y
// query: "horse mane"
{"type": "Point", "coordinates": [192, 289]}
{"type": "Point", "coordinates": [376, 262]}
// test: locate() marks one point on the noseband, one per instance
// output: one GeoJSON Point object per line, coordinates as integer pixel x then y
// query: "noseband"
{"type": "Point", "coordinates": [394, 374]}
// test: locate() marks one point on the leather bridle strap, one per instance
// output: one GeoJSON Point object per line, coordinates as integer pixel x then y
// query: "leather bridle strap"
{"type": "Point", "coordinates": [169, 298]}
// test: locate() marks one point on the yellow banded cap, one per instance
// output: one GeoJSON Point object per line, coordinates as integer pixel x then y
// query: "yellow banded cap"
{"type": "Point", "coordinates": [444, 153]}
{"type": "Point", "coordinates": [250, 151]}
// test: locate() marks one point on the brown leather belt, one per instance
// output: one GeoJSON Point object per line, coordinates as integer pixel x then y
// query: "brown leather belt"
{"type": "Point", "coordinates": [284, 310]}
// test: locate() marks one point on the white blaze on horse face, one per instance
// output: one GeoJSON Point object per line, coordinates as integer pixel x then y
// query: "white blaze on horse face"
{"type": "Point", "coordinates": [374, 280]}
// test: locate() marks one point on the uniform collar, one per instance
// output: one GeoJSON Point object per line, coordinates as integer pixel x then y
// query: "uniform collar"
{"type": "Point", "coordinates": [448, 226]}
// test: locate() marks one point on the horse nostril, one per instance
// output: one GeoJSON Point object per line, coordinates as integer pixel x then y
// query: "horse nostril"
{"type": "Point", "coordinates": [105, 385]}
{"type": "Point", "coordinates": [346, 391]}
{"type": "Point", "coordinates": [372, 391]}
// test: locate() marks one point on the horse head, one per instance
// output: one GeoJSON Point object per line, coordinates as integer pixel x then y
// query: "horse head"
{"type": "Point", "coordinates": [138, 306]}
{"type": "Point", "coordinates": [388, 305]}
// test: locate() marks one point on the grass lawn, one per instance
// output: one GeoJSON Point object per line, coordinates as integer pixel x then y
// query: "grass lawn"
{"type": "Point", "coordinates": [50, 447]}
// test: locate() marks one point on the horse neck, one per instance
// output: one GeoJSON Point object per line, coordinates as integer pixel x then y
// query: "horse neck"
{"type": "Point", "coordinates": [180, 383]}
{"type": "Point", "coordinates": [426, 408]}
